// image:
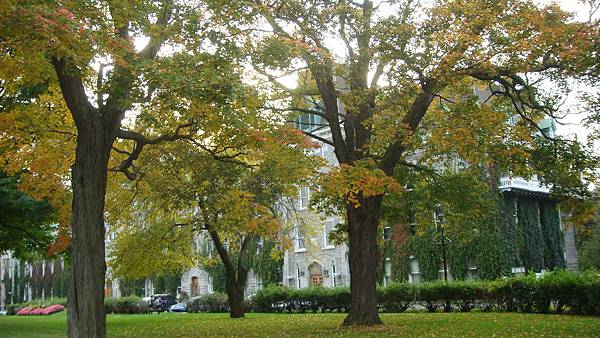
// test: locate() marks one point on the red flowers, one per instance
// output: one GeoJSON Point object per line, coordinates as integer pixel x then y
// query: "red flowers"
{"type": "Point", "coordinates": [40, 311]}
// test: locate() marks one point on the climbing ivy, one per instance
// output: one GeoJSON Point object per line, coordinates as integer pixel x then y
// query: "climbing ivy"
{"type": "Point", "coordinates": [511, 234]}
{"type": "Point", "coordinates": [264, 259]}
{"type": "Point", "coordinates": [131, 287]}
{"type": "Point", "coordinates": [523, 231]}
{"type": "Point", "coordinates": [266, 262]}
{"type": "Point", "coordinates": [553, 239]}
{"type": "Point", "coordinates": [167, 283]}
{"type": "Point", "coordinates": [532, 249]}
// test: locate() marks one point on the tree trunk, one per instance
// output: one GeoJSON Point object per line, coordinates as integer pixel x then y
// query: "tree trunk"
{"type": "Point", "coordinates": [363, 256]}
{"type": "Point", "coordinates": [235, 298]}
{"type": "Point", "coordinates": [86, 315]}
{"type": "Point", "coordinates": [234, 282]}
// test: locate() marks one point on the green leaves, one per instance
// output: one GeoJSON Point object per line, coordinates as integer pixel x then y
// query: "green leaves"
{"type": "Point", "coordinates": [27, 226]}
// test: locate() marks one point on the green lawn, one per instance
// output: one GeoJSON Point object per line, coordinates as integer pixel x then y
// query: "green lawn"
{"type": "Point", "coordinates": [311, 325]}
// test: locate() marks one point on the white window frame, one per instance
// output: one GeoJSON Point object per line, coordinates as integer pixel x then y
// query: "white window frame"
{"type": "Point", "coordinates": [259, 245]}
{"type": "Point", "coordinates": [326, 243]}
{"type": "Point", "coordinates": [333, 274]}
{"type": "Point", "coordinates": [303, 201]}
{"type": "Point", "coordinates": [387, 272]}
{"type": "Point", "coordinates": [389, 230]}
{"type": "Point", "coordinates": [299, 238]}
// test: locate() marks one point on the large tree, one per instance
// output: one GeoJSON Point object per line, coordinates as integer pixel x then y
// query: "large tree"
{"type": "Point", "coordinates": [108, 58]}
{"type": "Point", "coordinates": [378, 69]}
{"type": "Point", "coordinates": [230, 187]}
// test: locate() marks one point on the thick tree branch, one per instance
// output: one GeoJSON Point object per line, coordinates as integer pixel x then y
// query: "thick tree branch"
{"type": "Point", "coordinates": [318, 138]}
{"type": "Point", "coordinates": [411, 120]}
{"type": "Point", "coordinates": [141, 141]}
{"type": "Point", "coordinates": [241, 265]}
{"type": "Point", "coordinates": [151, 50]}
{"type": "Point", "coordinates": [73, 91]}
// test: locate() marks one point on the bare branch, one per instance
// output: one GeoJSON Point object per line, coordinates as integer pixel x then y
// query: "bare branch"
{"type": "Point", "coordinates": [318, 138]}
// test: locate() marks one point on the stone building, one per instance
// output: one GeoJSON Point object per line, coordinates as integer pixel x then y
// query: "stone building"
{"type": "Point", "coordinates": [314, 261]}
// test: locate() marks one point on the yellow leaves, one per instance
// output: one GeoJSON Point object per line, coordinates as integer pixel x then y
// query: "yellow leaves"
{"type": "Point", "coordinates": [358, 181]}
{"type": "Point", "coordinates": [39, 137]}
{"type": "Point", "coordinates": [276, 254]}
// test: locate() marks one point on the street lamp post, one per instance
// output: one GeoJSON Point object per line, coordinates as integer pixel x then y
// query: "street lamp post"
{"type": "Point", "coordinates": [438, 218]}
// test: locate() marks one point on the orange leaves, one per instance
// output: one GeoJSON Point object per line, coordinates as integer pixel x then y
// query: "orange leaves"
{"type": "Point", "coordinates": [264, 225]}
{"type": "Point", "coordinates": [354, 182]}
{"type": "Point", "coordinates": [62, 242]}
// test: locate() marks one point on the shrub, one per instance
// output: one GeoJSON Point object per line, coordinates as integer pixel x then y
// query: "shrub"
{"type": "Point", "coordinates": [211, 302]}
{"type": "Point", "coordinates": [274, 299]}
{"type": "Point", "coordinates": [463, 294]}
{"type": "Point", "coordinates": [24, 311]}
{"type": "Point", "coordinates": [488, 295]}
{"type": "Point", "coordinates": [396, 297]}
{"type": "Point", "coordinates": [53, 309]}
{"type": "Point", "coordinates": [279, 299]}
{"type": "Point", "coordinates": [126, 305]}
{"type": "Point", "coordinates": [430, 295]}
{"type": "Point", "coordinates": [12, 309]}
{"type": "Point", "coordinates": [339, 299]}
{"type": "Point", "coordinates": [519, 293]}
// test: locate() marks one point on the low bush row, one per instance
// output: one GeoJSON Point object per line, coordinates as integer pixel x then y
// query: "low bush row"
{"type": "Point", "coordinates": [282, 299]}
{"type": "Point", "coordinates": [212, 302]}
{"type": "Point", "coordinates": [126, 305]}
{"type": "Point", "coordinates": [558, 291]}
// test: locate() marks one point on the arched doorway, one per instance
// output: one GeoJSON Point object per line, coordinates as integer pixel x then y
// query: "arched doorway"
{"type": "Point", "coordinates": [108, 289]}
{"type": "Point", "coordinates": [195, 287]}
{"type": "Point", "coordinates": [315, 270]}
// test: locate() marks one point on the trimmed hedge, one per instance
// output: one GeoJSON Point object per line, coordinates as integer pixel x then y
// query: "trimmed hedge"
{"type": "Point", "coordinates": [126, 305]}
{"type": "Point", "coordinates": [559, 291]}
{"type": "Point", "coordinates": [211, 302]}
{"type": "Point", "coordinates": [283, 299]}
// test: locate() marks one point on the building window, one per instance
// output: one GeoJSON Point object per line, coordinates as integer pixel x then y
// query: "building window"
{"type": "Point", "coordinates": [304, 197]}
{"type": "Point", "coordinates": [387, 267]}
{"type": "Point", "coordinates": [259, 245]}
{"type": "Point", "coordinates": [308, 122]}
{"type": "Point", "coordinates": [319, 151]}
{"type": "Point", "coordinates": [441, 272]}
{"type": "Point", "coordinates": [387, 233]}
{"type": "Point", "coordinates": [333, 274]}
{"type": "Point", "coordinates": [209, 284]}
{"type": "Point", "coordinates": [472, 273]}
{"type": "Point", "coordinates": [415, 274]}
{"type": "Point", "coordinates": [299, 239]}
{"type": "Point", "coordinates": [298, 278]}
{"type": "Point", "coordinates": [519, 270]}
{"type": "Point", "coordinates": [327, 229]}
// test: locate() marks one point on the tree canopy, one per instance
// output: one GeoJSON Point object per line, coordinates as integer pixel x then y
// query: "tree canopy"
{"type": "Point", "coordinates": [395, 83]}
{"type": "Point", "coordinates": [388, 79]}
{"type": "Point", "coordinates": [27, 226]}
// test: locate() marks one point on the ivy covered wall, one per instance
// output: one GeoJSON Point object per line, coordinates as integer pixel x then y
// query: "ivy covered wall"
{"type": "Point", "coordinates": [167, 283]}
{"type": "Point", "coordinates": [524, 232]}
{"type": "Point", "coordinates": [262, 258]}
{"type": "Point", "coordinates": [553, 235]}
